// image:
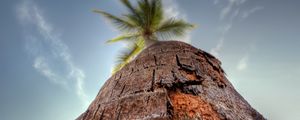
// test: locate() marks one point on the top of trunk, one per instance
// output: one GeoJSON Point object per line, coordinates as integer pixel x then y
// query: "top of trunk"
{"type": "Point", "coordinates": [170, 80]}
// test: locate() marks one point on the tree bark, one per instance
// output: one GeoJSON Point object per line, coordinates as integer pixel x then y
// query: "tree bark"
{"type": "Point", "coordinates": [170, 80]}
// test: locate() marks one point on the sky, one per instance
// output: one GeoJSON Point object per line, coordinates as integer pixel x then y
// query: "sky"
{"type": "Point", "coordinates": [54, 60]}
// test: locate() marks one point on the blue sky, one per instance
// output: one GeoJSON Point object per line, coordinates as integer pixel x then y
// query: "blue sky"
{"type": "Point", "coordinates": [53, 59]}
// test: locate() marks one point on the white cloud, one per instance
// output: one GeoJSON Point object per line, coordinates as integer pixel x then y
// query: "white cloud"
{"type": "Point", "coordinates": [231, 5]}
{"type": "Point", "coordinates": [42, 66]}
{"type": "Point", "coordinates": [171, 9]}
{"type": "Point", "coordinates": [251, 11]}
{"type": "Point", "coordinates": [225, 11]}
{"type": "Point", "coordinates": [243, 63]}
{"type": "Point", "coordinates": [228, 14]}
{"type": "Point", "coordinates": [216, 50]}
{"type": "Point", "coordinates": [51, 55]}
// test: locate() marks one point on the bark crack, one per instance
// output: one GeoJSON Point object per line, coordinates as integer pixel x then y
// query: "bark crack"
{"type": "Point", "coordinates": [147, 99]}
{"type": "Point", "coordinates": [102, 114]}
{"type": "Point", "coordinates": [184, 81]}
{"type": "Point", "coordinates": [183, 66]}
{"type": "Point", "coordinates": [218, 69]}
{"type": "Point", "coordinates": [153, 80]}
{"type": "Point", "coordinates": [118, 112]}
{"type": "Point", "coordinates": [122, 90]}
{"type": "Point", "coordinates": [117, 82]}
{"type": "Point", "coordinates": [94, 115]}
{"type": "Point", "coordinates": [178, 61]}
{"type": "Point", "coordinates": [155, 60]}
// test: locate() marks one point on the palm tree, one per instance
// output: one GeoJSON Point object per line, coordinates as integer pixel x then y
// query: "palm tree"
{"type": "Point", "coordinates": [142, 26]}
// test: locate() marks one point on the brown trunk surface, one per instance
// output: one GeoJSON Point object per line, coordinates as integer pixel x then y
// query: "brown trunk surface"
{"type": "Point", "coordinates": [170, 80]}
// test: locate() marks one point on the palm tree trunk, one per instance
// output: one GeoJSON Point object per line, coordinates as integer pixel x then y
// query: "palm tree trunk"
{"type": "Point", "coordinates": [170, 81]}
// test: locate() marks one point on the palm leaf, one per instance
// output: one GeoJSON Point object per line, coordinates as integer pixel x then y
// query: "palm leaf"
{"type": "Point", "coordinates": [144, 8]}
{"type": "Point", "coordinates": [135, 20]}
{"type": "Point", "coordinates": [133, 11]}
{"type": "Point", "coordinates": [151, 13]}
{"type": "Point", "coordinates": [156, 13]}
{"type": "Point", "coordinates": [122, 24]}
{"type": "Point", "coordinates": [145, 21]}
{"type": "Point", "coordinates": [173, 28]}
{"type": "Point", "coordinates": [128, 54]}
{"type": "Point", "coordinates": [124, 37]}
{"type": "Point", "coordinates": [129, 6]}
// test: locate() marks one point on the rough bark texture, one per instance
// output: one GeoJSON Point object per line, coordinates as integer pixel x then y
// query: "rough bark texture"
{"type": "Point", "coordinates": [170, 80]}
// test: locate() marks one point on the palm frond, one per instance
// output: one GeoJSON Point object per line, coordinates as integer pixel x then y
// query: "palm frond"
{"type": "Point", "coordinates": [156, 13]}
{"type": "Point", "coordinates": [173, 28]}
{"type": "Point", "coordinates": [135, 20]}
{"type": "Point", "coordinates": [124, 37]}
{"type": "Point", "coordinates": [128, 54]}
{"type": "Point", "coordinates": [129, 6]}
{"type": "Point", "coordinates": [133, 11]}
{"type": "Point", "coordinates": [122, 24]}
{"type": "Point", "coordinates": [151, 13]}
{"type": "Point", "coordinates": [145, 12]}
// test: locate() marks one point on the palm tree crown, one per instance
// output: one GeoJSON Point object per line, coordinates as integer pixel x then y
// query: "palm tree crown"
{"type": "Point", "coordinates": [142, 26]}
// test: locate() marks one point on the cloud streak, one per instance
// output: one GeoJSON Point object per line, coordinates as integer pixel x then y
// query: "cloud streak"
{"type": "Point", "coordinates": [51, 55]}
{"type": "Point", "coordinates": [251, 11]}
{"type": "Point", "coordinates": [229, 14]}
{"type": "Point", "coordinates": [171, 9]}
{"type": "Point", "coordinates": [243, 63]}
{"type": "Point", "coordinates": [231, 5]}
{"type": "Point", "coordinates": [43, 67]}
{"type": "Point", "coordinates": [217, 49]}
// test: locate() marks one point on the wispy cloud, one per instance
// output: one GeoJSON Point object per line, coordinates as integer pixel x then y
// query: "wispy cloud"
{"type": "Point", "coordinates": [231, 5]}
{"type": "Point", "coordinates": [171, 9]}
{"type": "Point", "coordinates": [41, 64]}
{"type": "Point", "coordinates": [217, 49]}
{"type": "Point", "coordinates": [51, 55]}
{"type": "Point", "coordinates": [243, 63]}
{"type": "Point", "coordinates": [251, 11]}
{"type": "Point", "coordinates": [229, 14]}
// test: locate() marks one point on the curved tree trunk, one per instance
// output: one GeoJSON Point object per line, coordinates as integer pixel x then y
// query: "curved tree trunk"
{"type": "Point", "coordinates": [170, 80]}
